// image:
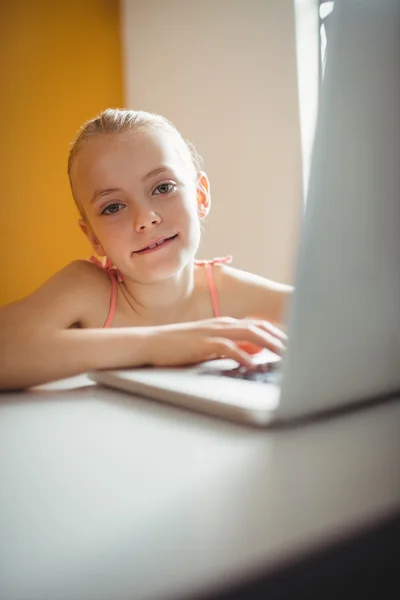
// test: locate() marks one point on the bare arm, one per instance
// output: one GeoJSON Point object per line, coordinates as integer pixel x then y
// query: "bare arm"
{"type": "Point", "coordinates": [34, 357]}
{"type": "Point", "coordinates": [37, 344]}
{"type": "Point", "coordinates": [249, 295]}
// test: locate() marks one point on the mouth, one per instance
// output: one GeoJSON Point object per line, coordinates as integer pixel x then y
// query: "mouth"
{"type": "Point", "coordinates": [156, 245]}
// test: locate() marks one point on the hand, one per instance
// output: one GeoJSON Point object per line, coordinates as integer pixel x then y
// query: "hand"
{"type": "Point", "coordinates": [194, 342]}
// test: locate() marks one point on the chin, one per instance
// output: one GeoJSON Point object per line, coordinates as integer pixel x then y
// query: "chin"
{"type": "Point", "coordinates": [167, 268]}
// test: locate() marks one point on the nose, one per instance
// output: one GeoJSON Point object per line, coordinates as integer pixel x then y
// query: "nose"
{"type": "Point", "coordinates": [145, 218]}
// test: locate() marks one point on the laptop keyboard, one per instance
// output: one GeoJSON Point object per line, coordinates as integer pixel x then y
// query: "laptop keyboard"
{"type": "Point", "coordinates": [262, 373]}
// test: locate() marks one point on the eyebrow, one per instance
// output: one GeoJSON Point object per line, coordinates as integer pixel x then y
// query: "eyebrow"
{"type": "Point", "coordinates": [99, 193]}
{"type": "Point", "coordinates": [156, 172]}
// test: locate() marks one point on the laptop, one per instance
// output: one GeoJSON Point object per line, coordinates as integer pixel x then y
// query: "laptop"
{"type": "Point", "coordinates": [343, 323]}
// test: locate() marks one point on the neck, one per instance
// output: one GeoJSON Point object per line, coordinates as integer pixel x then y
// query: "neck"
{"type": "Point", "coordinates": [162, 302]}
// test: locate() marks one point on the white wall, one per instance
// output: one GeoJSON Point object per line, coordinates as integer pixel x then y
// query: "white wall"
{"type": "Point", "coordinates": [224, 72]}
{"type": "Point", "coordinates": [308, 61]}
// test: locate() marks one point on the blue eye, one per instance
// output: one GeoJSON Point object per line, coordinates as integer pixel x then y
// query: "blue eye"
{"type": "Point", "coordinates": [112, 209]}
{"type": "Point", "coordinates": [163, 188]}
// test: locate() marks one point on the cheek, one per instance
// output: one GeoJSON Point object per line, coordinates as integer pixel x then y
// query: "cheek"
{"type": "Point", "coordinates": [110, 234]}
{"type": "Point", "coordinates": [194, 229]}
{"type": "Point", "coordinates": [182, 212]}
{"type": "Point", "coordinates": [190, 221]}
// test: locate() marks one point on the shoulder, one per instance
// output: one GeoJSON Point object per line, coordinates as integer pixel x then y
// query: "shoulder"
{"type": "Point", "coordinates": [82, 274]}
{"type": "Point", "coordinates": [247, 294]}
{"type": "Point", "coordinates": [78, 279]}
{"type": "Point", "coordinates": [63, 300]}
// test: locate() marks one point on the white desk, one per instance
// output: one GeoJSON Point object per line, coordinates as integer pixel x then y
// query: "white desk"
{"type": "Point", "coordinates": [108, 496]}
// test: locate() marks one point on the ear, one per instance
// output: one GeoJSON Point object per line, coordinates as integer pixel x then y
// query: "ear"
{"type": "Point", "coordinates": [203, 195]}
{"type": "Point", "coordinates": [88, 231]}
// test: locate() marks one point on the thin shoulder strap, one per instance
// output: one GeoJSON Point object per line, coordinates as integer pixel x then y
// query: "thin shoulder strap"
{"type": "Point", "coordinates": [209, 268]}
{"type": "Point", "coordinates": [113, 301]}
{"type": "Point", "coordinates": [213, 288]}
{"type": "Point", "coordinates": [114, 276]}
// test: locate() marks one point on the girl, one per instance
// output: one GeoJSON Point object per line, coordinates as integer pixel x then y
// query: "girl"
{"type": "Point", "coordinates": [141, 195]}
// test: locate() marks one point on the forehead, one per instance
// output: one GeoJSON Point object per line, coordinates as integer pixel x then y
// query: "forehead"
{"type": "Point", "coordinates": [119, 159]}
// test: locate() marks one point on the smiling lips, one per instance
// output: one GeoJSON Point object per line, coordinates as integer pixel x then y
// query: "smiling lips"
{"type": "Point", "coordinates": [155, 245]}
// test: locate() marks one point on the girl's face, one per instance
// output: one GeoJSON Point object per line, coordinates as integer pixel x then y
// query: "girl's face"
{"type": "Point", "coordinates": [141, 201]}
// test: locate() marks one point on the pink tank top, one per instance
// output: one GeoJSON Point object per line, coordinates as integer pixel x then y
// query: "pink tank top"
{"type": "Point", "coordinates": [115, 276]}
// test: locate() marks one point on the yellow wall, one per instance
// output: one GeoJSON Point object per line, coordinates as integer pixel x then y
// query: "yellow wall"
{"type": "Point", "coordinates": [60, 64]}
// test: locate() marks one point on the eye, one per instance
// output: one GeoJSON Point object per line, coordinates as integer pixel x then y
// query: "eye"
{"type": "Point", "coordinates": [112, 209]}
{"type": "Point", "coordinates": [164, 188]}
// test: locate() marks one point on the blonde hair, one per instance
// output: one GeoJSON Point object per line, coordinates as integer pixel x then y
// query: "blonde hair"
{"type": "Point", "coordinates": [122, 120]}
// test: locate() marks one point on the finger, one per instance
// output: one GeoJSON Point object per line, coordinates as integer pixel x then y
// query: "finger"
{"type": "Point", "coordinates": [249, 347]}
{"type": "Point", "coordinates": [263, 338]}
{"type": "Point", "coordinates": [255, 335]}
{"type": "Point", "coordinates": [222, 347]}
{"type": "Point", "coordinates": [230, 322]}
{"type": "Point", "coordinates": [270, 328]}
